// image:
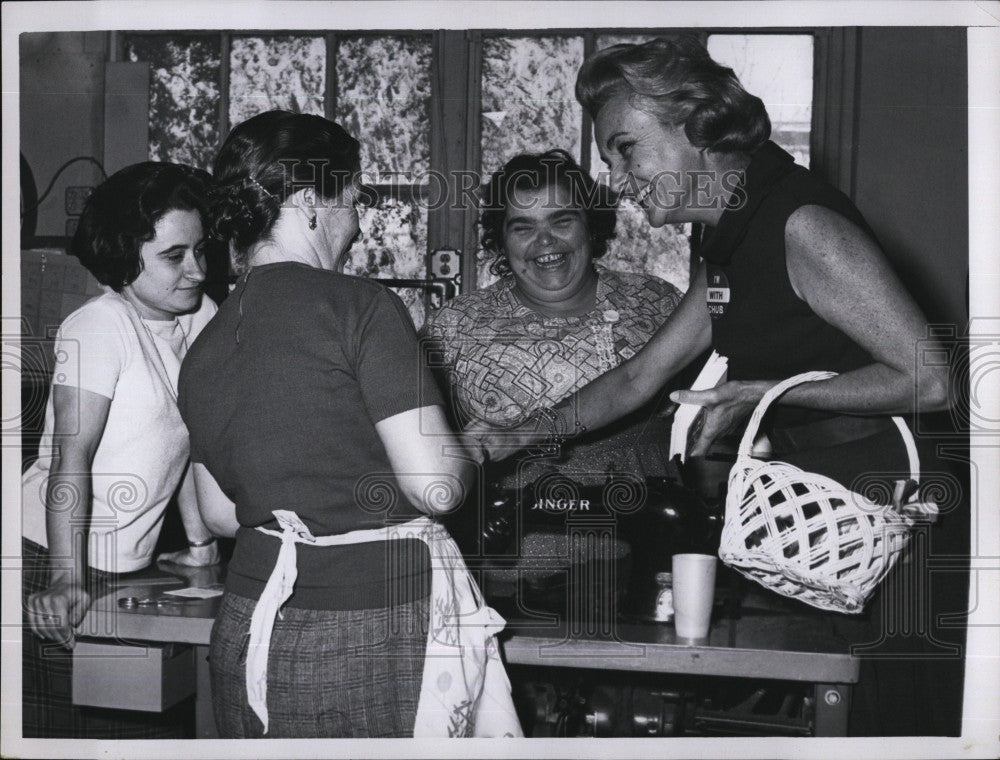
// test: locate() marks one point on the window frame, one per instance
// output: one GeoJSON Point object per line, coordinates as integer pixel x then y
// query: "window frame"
{"type": "Point", "coordinates": [455, 112]}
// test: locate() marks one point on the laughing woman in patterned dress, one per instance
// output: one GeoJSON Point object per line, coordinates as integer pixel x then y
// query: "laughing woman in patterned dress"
{"type": "Point", "coordinates": [555, 320]}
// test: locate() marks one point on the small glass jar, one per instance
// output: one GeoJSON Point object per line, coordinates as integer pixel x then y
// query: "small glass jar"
{"type": "Point", "coordinates": [663, 608]}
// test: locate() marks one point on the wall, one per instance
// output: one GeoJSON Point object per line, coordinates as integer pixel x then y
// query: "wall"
{"type": "Point", "coordinates": [62, 114]}
{"type": "Point", "coordinates": [911, 154]}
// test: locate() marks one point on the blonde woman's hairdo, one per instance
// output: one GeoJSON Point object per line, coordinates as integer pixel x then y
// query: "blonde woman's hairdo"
{"type": "Point", "coordinates": [678, 82]}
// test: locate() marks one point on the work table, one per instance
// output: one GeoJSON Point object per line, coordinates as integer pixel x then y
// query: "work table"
{"type": "Point", "coordinates": [761, 643]}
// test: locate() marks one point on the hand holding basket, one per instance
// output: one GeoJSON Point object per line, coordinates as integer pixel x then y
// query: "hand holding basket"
{"type": "Point", "coordinates": [806, 536]}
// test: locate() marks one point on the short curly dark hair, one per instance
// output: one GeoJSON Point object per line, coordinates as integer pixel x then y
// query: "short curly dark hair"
{"type": "Point", "coordinates": [535, 170]}
{"type": "Point", "coordinates": [677, 81]}
{"type": "Point", "coordinates": [122, 212]}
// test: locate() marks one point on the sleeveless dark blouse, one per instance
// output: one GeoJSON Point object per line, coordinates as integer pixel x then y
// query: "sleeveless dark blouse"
{"type": "Point", "coordinates": [758, 322]}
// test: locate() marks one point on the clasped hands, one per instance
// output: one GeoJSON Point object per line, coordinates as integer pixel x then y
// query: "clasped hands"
{"type": "Point", "coordinates": [724, 409]}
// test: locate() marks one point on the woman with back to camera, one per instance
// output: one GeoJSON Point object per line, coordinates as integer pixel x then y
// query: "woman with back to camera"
{"type": "Point", "coordinates": [114, 449]}
{"type": "Point", "coordinates": [792, 279]}
{"type": "Point", "coordinates": [319, 441]}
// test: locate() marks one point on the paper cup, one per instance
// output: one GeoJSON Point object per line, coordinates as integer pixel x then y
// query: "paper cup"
{"type": "Point", "coordinates": [694, 589]}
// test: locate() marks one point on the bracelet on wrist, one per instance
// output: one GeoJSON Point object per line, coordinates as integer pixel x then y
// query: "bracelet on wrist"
{"type": "Point", "coordinates": [559, 433]}
{"type": "Point", "coordinates": [549, 417]}
{"type": "Point", "coordinates": [204, 542]}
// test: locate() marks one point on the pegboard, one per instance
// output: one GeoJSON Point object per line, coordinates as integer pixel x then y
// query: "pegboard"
{"type": "Point", "coordinates": [53, 285]}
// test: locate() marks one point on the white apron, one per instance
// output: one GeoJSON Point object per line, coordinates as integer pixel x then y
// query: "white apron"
{"type": "Point", "coordinates": [464, 690]}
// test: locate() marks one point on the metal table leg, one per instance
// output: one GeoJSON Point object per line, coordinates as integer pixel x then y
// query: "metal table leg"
{"type": "Point", "coordinates": [833, 703]}
{"type": "Point", "coordinates": [204, 720]}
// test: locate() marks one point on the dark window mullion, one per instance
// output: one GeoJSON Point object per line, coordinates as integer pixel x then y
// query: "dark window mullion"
{"type": "Point", "coordinates": [587, 128]}
{"type": "Point", "coordinates": [225, 43]}
{"type": "Point", "coordinates": [473, 155]}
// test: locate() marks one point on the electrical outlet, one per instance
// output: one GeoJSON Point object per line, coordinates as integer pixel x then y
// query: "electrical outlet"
{"type": "Point", "coordinates": [446, 263]}
{"type": "Point", "coordinates": [71, 224]}
{"type": "Point", "coordinates": [75, 198]}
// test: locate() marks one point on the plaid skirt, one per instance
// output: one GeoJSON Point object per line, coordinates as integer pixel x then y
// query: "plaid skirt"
{"type": "Point", "coordinates": [47, 705]}
{"type": "Point", "coordinates": [330, 673]}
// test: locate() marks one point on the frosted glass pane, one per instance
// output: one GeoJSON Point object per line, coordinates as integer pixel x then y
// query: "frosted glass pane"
{"type": "Point", "coordinates": [183, 96]}
{"type": "Point", "coordinates": [483, 276]}
{"type": "Point", "coordinates": [383, 99]}
{"type": "Point", "coordinates": [266, 73]}
{"type": "Point", "coordinates": [527, 97]}
{"type": "Point", "coordinates": [637, 247]}
{"type": "Point", "coordinates": [777, 68]}
{"type": "Point", "coordinates": [393, 243]}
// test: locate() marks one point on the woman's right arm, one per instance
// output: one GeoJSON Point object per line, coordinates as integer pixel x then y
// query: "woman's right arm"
{"type": "Point", "coordinates": [432, 465]}
{"type": "Point", "coordinates": [217, 510]}
{"type": "Point", "coordinates": [80, 418]}
{"type": "Point", "coordinates": [679, 341]}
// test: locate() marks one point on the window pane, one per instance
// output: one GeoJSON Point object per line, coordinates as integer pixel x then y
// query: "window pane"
{"type": "Point", "coordinates": [183, 96]}
{"type": "Point", "coordinates": [483, 276]}
{"type": "Point", "coordinates": [393, 243]}
{"type": "Point", "coordinates": [527, 97]}
{"type": "Point", "coordinates": [383, 99]}
{"type": "Point", "coordinates": [777, 68]}
{"type": "Point", "coordinates": [637, 247]}
{"type": "Point", "coordinates": [276, 72]}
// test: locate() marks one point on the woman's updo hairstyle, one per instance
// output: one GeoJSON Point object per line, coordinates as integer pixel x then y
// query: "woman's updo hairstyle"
{"type": "Point", "coordinates": [269, 158]}
{"type": "Point", "coordinates": [678, 82]}
{"type": "Point", "coordinates": [122, 212]}
{"type": "Point", "coordinates": [531, 171]}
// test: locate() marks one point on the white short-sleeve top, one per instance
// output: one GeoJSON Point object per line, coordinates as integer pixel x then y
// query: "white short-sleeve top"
{"type": "Point", "coordinates": [105, 347]}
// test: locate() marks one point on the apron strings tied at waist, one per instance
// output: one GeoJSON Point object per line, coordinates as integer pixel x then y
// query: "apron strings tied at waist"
{"type": "Point", "coordinates": [462, 666]}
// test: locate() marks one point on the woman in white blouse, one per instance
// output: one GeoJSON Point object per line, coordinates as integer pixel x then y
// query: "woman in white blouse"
{"type": "Point", "coordinates": [114, 448]}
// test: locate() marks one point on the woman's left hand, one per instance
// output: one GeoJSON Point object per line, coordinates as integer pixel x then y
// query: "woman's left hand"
{"type": "Point", "coordinates": [193, 556]}
{"type": "Point", "coordinates": [502, 442]}
{"type": "Point", "coordinates": [725, 408]}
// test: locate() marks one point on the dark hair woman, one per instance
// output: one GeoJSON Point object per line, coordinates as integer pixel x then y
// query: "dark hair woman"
{"type": "Point", "coordinates": [113, 410]}
{"type": "Point", "coordinates": [555, 321]}
{"type": "Point", "coordinates": [320, 443]}
{"type": "Point", "coordinates": [792, 279]}
{"type": "Point", "coordinates": [552, 170]}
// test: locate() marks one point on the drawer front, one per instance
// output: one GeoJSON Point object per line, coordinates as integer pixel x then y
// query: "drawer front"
{"type": "Point", "coordinates": [149, 678]}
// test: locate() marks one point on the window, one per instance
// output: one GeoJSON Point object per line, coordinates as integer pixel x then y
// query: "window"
{"type": "Point", "coordinates": [284, 72]}
{"type": "Point", "coordinates": [383, 98]}
{"type": "Point", "coordinates": [519, 97]}
{"type": "Point", "coordinates": [183, 96]}
{"type": "Point", "coordinates": [777, 68]}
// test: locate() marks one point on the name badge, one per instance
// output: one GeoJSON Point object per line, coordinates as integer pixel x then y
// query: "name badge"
{"type": "Point", "coordinates": [717, 294]}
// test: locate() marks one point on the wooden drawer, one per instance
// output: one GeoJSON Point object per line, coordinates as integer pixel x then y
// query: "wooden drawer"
{"type": "Point", "coordinates": [149, 678]}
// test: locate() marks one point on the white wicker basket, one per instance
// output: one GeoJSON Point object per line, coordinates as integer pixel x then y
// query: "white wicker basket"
{"type": "Point", "coordinates": [806, 536]}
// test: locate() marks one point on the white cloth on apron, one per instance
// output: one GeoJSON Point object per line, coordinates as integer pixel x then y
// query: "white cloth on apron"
{"type": "Point", "coordinates": [464, 690]}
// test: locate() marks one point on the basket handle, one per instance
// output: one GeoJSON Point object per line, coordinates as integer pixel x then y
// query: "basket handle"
{"type": "Point", "coordinates": [746, 443]}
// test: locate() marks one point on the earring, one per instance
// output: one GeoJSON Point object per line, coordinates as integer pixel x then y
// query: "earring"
{"type": "Point", "coordinates": [312, 222]}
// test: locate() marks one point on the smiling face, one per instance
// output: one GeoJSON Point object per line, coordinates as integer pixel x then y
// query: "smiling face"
{"type": "Point", "coordinates": [547, 243]}
{"type": "Point", "coordinates": [173, 268]}
{"type": "Point", "coordinates": [649, 161]}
